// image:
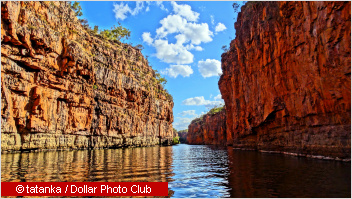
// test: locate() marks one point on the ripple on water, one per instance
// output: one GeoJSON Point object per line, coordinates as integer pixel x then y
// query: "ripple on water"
{"type": "Point", "coordinates": [191, 170]}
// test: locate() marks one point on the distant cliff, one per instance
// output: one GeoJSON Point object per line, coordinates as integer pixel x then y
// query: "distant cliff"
{"type": "Point", "coordinates": [63, 87]}
{"type": "Point", "coordinates": [208, 129]}
{"type": "Point", "coordinates": [182, 136]}
{"type": "Point", "coordinates": [286, 78]}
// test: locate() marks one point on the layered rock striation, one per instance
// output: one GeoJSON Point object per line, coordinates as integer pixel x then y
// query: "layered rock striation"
{"type": "Point", "coordinates": [286, 79]}
{"type": "Point", "coordinates": [65, 87]}
{"type": "Point", "coordinates": [208, 129]}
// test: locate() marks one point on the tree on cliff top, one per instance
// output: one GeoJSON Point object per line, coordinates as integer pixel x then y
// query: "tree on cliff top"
{"type": "Point", "coordinates": [235, 6]}
{"type": "Point", "coordinates": [77, 8]}
{"type": "Point", "coordinates": [116, 33]}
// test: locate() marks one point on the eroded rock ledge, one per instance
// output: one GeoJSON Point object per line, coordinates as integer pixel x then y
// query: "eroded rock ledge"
{"type": "Point", "coordinates": [62, 87]}
{"type": "Point", "coordinates": [286, 79]}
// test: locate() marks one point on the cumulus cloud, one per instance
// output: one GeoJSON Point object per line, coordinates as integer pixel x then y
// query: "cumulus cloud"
{"type": "Point", "coordinates": [175, 70]}
{"type": "Point", "coordinates": [182, 123]}
{"type": "Point", "coordinates": [220, 27]}
{"type": "Point", "coordinates": [218, 97]}
{"type": "Point", "coordinates": [193, 32]}
{"type": "Point", "coordinates": [199, 101]}
{"type": "Point", "coordinates": [172, 53]}
{"type": "Point", "coordinates": [160, 5]}
{"type": "Point", "coordinates": [171, 24]}
{"type": "Point", "coordinates": [185, 11]}
{"type": "Point", "coordinates": [182, 25]}
{"type": "Point", "coordinates": [188, 112]}
{"type": "Point", "coordinates": [191, 47]}
{"type": "Point", "coordinates": [209, 67]}
{"type": "Point", "coordinates": [147, 38]}
{"type": "Point", "coordinates": [197, 33]}
{"type": "Point", "coordinates": [138, 8]}
{"type": "Point", "coordinates": [122, 10]}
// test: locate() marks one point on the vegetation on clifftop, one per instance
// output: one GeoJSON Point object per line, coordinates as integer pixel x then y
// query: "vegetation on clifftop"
{"type": "Point", "coordinates": [116, 34]}
{"type": "Point", "coordinates": [212, 111]}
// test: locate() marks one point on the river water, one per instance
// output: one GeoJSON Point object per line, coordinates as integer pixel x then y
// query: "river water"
{"type": "Point", "coordinates": [191, 170]}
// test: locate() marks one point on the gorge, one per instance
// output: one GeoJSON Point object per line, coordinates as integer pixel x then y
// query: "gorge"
{"type": "Point", "coordinates": [80, 105]}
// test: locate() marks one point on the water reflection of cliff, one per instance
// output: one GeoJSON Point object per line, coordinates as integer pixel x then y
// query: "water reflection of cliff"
{"type": "Point", "coordinates": [148, 164]}
{"type": "Point", "coordinates": [254, 174]}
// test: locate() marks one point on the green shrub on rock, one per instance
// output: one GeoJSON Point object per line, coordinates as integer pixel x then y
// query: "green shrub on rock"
{"type": "Point", "coordinates": [176, 140]}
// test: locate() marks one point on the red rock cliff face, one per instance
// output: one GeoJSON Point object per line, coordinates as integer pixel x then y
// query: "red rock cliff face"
{"type": "Point", "coordinates": [286, 79]}
{"type": "Point", "coordinates": [210, 129]}
{"type": "Point", "coordinates": [62, 87]}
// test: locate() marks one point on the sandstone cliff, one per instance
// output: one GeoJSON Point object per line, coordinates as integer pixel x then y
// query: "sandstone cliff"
{"type": "Point", "coordinates": [208, 129]}
{"type": "Point", "coordinates": [286, 79]}
{"type": "Point", "coordinates": [182, 135]}
{"type": "Point", "coordinates": [62, 87]}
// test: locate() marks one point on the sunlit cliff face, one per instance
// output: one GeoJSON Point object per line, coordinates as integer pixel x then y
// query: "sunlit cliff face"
{"type": "Point", "coordinates": [286, 78]}
{"type": "Point", "coordinates": [64, 87]}
{"type": "Point", "coordinates": [209, 129]}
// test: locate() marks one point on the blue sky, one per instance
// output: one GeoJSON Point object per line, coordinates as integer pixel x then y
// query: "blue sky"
{"type": "Point", "coordinates": [182, 40]}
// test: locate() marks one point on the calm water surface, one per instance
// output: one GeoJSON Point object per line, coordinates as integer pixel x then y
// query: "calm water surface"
{"type": "Point", "coordinates": [191, 170]}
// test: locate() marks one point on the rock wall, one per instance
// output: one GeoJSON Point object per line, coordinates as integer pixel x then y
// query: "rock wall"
{"type": "Point", "coordinates": [208, 129]}
{"type": "Point", "coordinates": [63, 86]}
{"type": "Point", "coordinates": [182, 136]}
{"type": "Point", "coordinates": [286, 79]}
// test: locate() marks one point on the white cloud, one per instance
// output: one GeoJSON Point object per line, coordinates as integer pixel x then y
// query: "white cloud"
{"type": "Point", "coordinates": [122, 10]}
{"type": "Point", "coordinates": [191, 47]}
{"type": "Point", "coordinates": [189, 35]}
{"type": "Point", "coordinates": [197, 33]}
{"type": "Point", "coordinates": [193, 32]}
{"type": "Point", "coordinates": [171, 24]}
{"type": "Point", "coordinates": [209, 67]}
{"type": "Point", "coordinates": [146, 38]}
{"type": "Point", "coordinates": [185, 11]}
{"type": "Point", "coordinates": [138, 8]}
{"type": "Point", "coordinates": [189, 112]}
{"type": "Point", "coordinates": [182, 123]}
{"type": "Point", "coordinates": [172, 53]}
{"type": "Point", "coordinates": [175, 70]}
{"type": "Point", "coordinates": [220, 27]}
{"type": "Point", "coordinates": [218, 97]}
{"type": "Point", "coordinates": [199, 101]}
{"type": "Point", "coordinates": [212, 19]}
{"type": "Point", "coordinates": [161, 5]}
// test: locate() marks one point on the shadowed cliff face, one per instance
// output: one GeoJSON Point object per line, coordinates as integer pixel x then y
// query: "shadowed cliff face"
{"type": "Point", "coordinates": [209, 129]}
{"type": "Point", "coordinates": [62, 87]}
{"type": "Point", "coordinates": [286, 78]}
{"type": "Point", "coordinates": [182, 136]}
